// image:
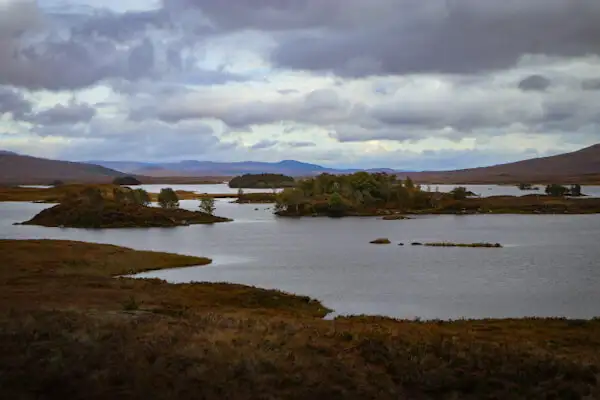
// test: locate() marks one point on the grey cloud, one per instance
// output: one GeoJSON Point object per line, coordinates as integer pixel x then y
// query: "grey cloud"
{"type": "Point", "coordinates": [14, 103]}
{"type": "Point", "coordinates": [300, 144]}
{"type": "Point", "coordinates": [287, 91]}
{"type": "Point", "coordinates": [264, 144]}
{"type": "Point", "coordinates": [54, 52]}
{"type": "Point", "coordinates": [535, 83]}
{"type": "Point", "coordinates": [148, 140]}
{"type": "Point", "coordinates": [59, 115]}
{"type": "Point", "coordinates": [591, 84]}
{"type": "Point", "coordinates": [462, 36]}
{"type": "Point", "coordinates": [318, 106]}
{"type": "Point", "coordinates": [119, 26]}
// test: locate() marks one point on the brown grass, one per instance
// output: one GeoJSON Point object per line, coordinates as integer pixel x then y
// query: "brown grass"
{"type": "Point", "coordinates": [69, 330]}
{"type": "Point", "coordinates": [53, 194]}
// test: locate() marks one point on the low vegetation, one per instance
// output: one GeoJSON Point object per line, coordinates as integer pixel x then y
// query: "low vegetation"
{"type": "Point", "coordinates": [68, 329]}
{"type": "Point", "coordinates": [363, 194]}
{"type": "Point", "coordinates": [449, 244]}
{"type": "Point", "coordinates": [261, 181]}
{"type": "Point", "coordinates": [123, 208]}
{"type": "Point", "coordinates": [256, 198]}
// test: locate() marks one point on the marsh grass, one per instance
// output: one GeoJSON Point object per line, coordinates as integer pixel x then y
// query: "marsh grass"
{"type": "Point", "coordinates": [65, 333]}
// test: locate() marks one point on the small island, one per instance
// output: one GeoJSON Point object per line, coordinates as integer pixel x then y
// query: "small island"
{"type": "Point", "coordinates": [127, 181]}
{"type": "Point", "coordinates": [124, 208]}
{"type": "Point", "coordinates": [261, 181]}
{"type": "Point", "coordinates": [381, 194]}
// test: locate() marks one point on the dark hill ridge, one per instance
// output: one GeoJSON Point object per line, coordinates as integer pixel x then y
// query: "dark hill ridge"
{"type": "Point", "coordinates": [19, 169]}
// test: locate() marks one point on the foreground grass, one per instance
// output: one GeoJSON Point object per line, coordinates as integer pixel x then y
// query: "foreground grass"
{"type": "Point", "coordinates": [70, 330]}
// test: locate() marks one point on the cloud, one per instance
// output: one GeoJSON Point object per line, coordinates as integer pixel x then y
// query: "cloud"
{"type": "Point", "coordinates": [72, 113]}
{"type": "Point", "coordinates": [40, 50]}
{"type": "Point", "coordinates": [264, 144]}
{"type": "Point", "coordinates": [13, 102]}
{"type": "Point", "coordinates": [537, 83]}
{"type": "Point", "coordinates": [318, 106]}
{"type": "Point", "coordinates": [591, 84]}
{"type": "Point", "coordinates": [436, 36]}
{"type": "Point", "coordinates": [301, 144]}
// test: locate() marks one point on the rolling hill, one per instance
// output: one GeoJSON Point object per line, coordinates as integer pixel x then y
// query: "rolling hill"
{"type": "Point", "coordinates": [582, 166]}
{"type": "Point", "coordinates": [20, 169]}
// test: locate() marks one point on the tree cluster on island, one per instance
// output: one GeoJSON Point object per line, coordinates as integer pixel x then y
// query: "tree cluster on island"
{"type": "Point", "coordinates": [261, 181]}
{"type": "Point", "coordinates": [338, 195]}
{"type": "Point", "coordinates": [369, 194]}
{"type": "Point", "coordinates": [557, 190]}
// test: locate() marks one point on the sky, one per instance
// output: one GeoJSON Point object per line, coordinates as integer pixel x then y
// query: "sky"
{"type": "Point", "coordinates": [406, 84]}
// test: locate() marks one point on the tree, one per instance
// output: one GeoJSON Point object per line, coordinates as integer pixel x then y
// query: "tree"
{"type": "Point", "coordinates": [289, 197]}
{"type": "Point", "coordinates": [167, 198]}
{"type": "Point", "coordinates": [240, 193]}
{"type": "Point", "coordinates": [141, 197]}
{"type": "Point", "coordinates": [556, 190]}
{"type": "Point", "coordinates": [459, 193]}
{"type": "Point", "coordinates": [575, 190]}
{"type": "Point", "coordinates": [336, 205]}
{"type": "Point", "coordinates": [526, 186]}
{"type": "Point", "coordinates": [207, 205]}
{"type": "Point", "coordinates": [92, 196]}
{"type": "Point", "coordinates": [408, 183]}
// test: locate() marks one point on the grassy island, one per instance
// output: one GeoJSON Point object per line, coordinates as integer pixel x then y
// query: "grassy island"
{"type": "Point", "coordinates": [69, 329]}
{"type": "Point", "coordinates": [95, 207]}
{"type": "Point", "coordinates": [364, 194]}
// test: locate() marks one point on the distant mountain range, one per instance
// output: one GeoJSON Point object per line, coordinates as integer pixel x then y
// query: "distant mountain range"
{"type": "Point", "coordinates": [210, 168]}
{"type": "Point", "coordinates": [581, 166]}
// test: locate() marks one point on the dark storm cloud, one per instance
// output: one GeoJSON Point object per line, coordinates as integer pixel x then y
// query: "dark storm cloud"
{"type": "Point", "coordinates": [60, 114]}
{"type": "Point", "coordinates": [14, 103]}
{"type": "Point", "coordinates": [537, 83]}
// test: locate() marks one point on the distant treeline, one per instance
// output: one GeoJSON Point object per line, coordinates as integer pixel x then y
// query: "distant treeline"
{"type": "Point", "coordinates": [261, 181]}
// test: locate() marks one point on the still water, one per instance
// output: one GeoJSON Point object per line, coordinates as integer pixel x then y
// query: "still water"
{"type": "Point", "coordinates": [548, 267]}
